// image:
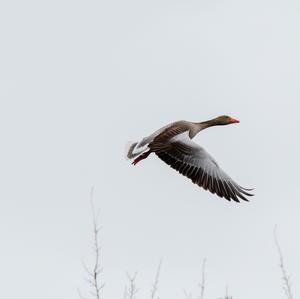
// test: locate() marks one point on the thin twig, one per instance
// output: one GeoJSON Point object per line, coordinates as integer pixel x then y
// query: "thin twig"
{"type": "Point", "coordinates": [132, 290]}
{"type": "Point", "coordinates": [226, 294]}
{"type": "Point", "coordinates": [94, 272]}
{"type": "Point", "coordinates": [97, 270]}
{"type": "Point", "coordinates": [285, 277]}
{"type": "Point", "coordinates": [202, 284]}
{"type": "Point", "coordinates": [156, 281]}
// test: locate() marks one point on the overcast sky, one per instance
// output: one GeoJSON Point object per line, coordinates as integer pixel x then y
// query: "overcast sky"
{"type": "Point", "coordinates": [78, 79]}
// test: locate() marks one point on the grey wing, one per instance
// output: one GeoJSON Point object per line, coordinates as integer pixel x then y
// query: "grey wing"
{"type": "Point", "coordinates": [193, 161]}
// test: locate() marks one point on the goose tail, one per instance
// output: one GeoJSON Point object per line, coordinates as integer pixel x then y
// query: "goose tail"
{"type": "Point", "coordinates": [134, 149]}
{"type": "Point", "coordinates": [129, 148]}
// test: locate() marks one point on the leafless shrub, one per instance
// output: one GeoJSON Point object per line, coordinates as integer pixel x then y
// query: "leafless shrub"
{"type": "Point", "coordinates": [285, 277]}
{"type": "Point", "coordinates": [94, 273]}
{"type": "Point", "coordinates": [94, 277]}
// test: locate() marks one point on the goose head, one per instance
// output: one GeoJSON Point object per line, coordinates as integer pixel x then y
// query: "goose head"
{"type": "Point", "coordinates": [225, 120]}
{"type": "Point", "coordinates": [218, 121]}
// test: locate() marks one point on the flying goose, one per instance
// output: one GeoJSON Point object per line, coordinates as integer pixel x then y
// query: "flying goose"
{"type": "Point", "coordinates": [174, 145]}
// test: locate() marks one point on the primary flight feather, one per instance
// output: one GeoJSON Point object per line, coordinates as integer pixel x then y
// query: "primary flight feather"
{"type": "Point", "coordinates": [174, 145]}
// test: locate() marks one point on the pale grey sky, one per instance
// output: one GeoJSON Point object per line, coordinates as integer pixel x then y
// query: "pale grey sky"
{"type": "Point", "coordinates": [78, 79]}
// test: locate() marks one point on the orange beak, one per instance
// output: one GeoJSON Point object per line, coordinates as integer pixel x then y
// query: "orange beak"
{"type": "Point", "coordinates": [234, 121]}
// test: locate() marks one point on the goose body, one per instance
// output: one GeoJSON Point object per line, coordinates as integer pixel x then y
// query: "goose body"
{"type": "Point", "coordinates": [174, 145]}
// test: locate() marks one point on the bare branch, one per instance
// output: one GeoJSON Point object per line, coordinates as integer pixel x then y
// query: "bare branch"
{"type": "Point", "coordinates": [96, 269]}
{"type": "Point", "coordinates": [94, 272]}
{"type": "Point", "coordinates": [226, 294]}
{"type": "Point", "coordinates": [132, 290]}
{"type": "Point", "coordinates": [202, 284]}
{"type": "Point", "coordinates": [285, 277]}
{"type": "Point", "coordinates": [156, 281]}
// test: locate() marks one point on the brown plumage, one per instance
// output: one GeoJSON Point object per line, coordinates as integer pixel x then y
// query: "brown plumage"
{"type": "Point", "coordinates": [174, 145]}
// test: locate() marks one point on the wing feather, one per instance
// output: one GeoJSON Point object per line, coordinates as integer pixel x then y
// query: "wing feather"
{"type": "Point", "coordinates": [191, 160]}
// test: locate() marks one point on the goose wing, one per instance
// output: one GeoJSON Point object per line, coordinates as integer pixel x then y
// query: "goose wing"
{"type": "Point", "coordinates": [194, 162]}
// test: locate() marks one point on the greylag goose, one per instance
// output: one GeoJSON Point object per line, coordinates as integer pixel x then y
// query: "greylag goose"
{"type": "Point", "coordinates": [174, 145]}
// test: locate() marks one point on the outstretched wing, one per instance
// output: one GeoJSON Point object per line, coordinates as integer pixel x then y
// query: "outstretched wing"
{"type": "Point", "coordinates": [192, 161]}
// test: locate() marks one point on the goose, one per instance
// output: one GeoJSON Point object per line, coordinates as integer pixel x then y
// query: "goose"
{"type": "Point", "coordinates": [174, 145]}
